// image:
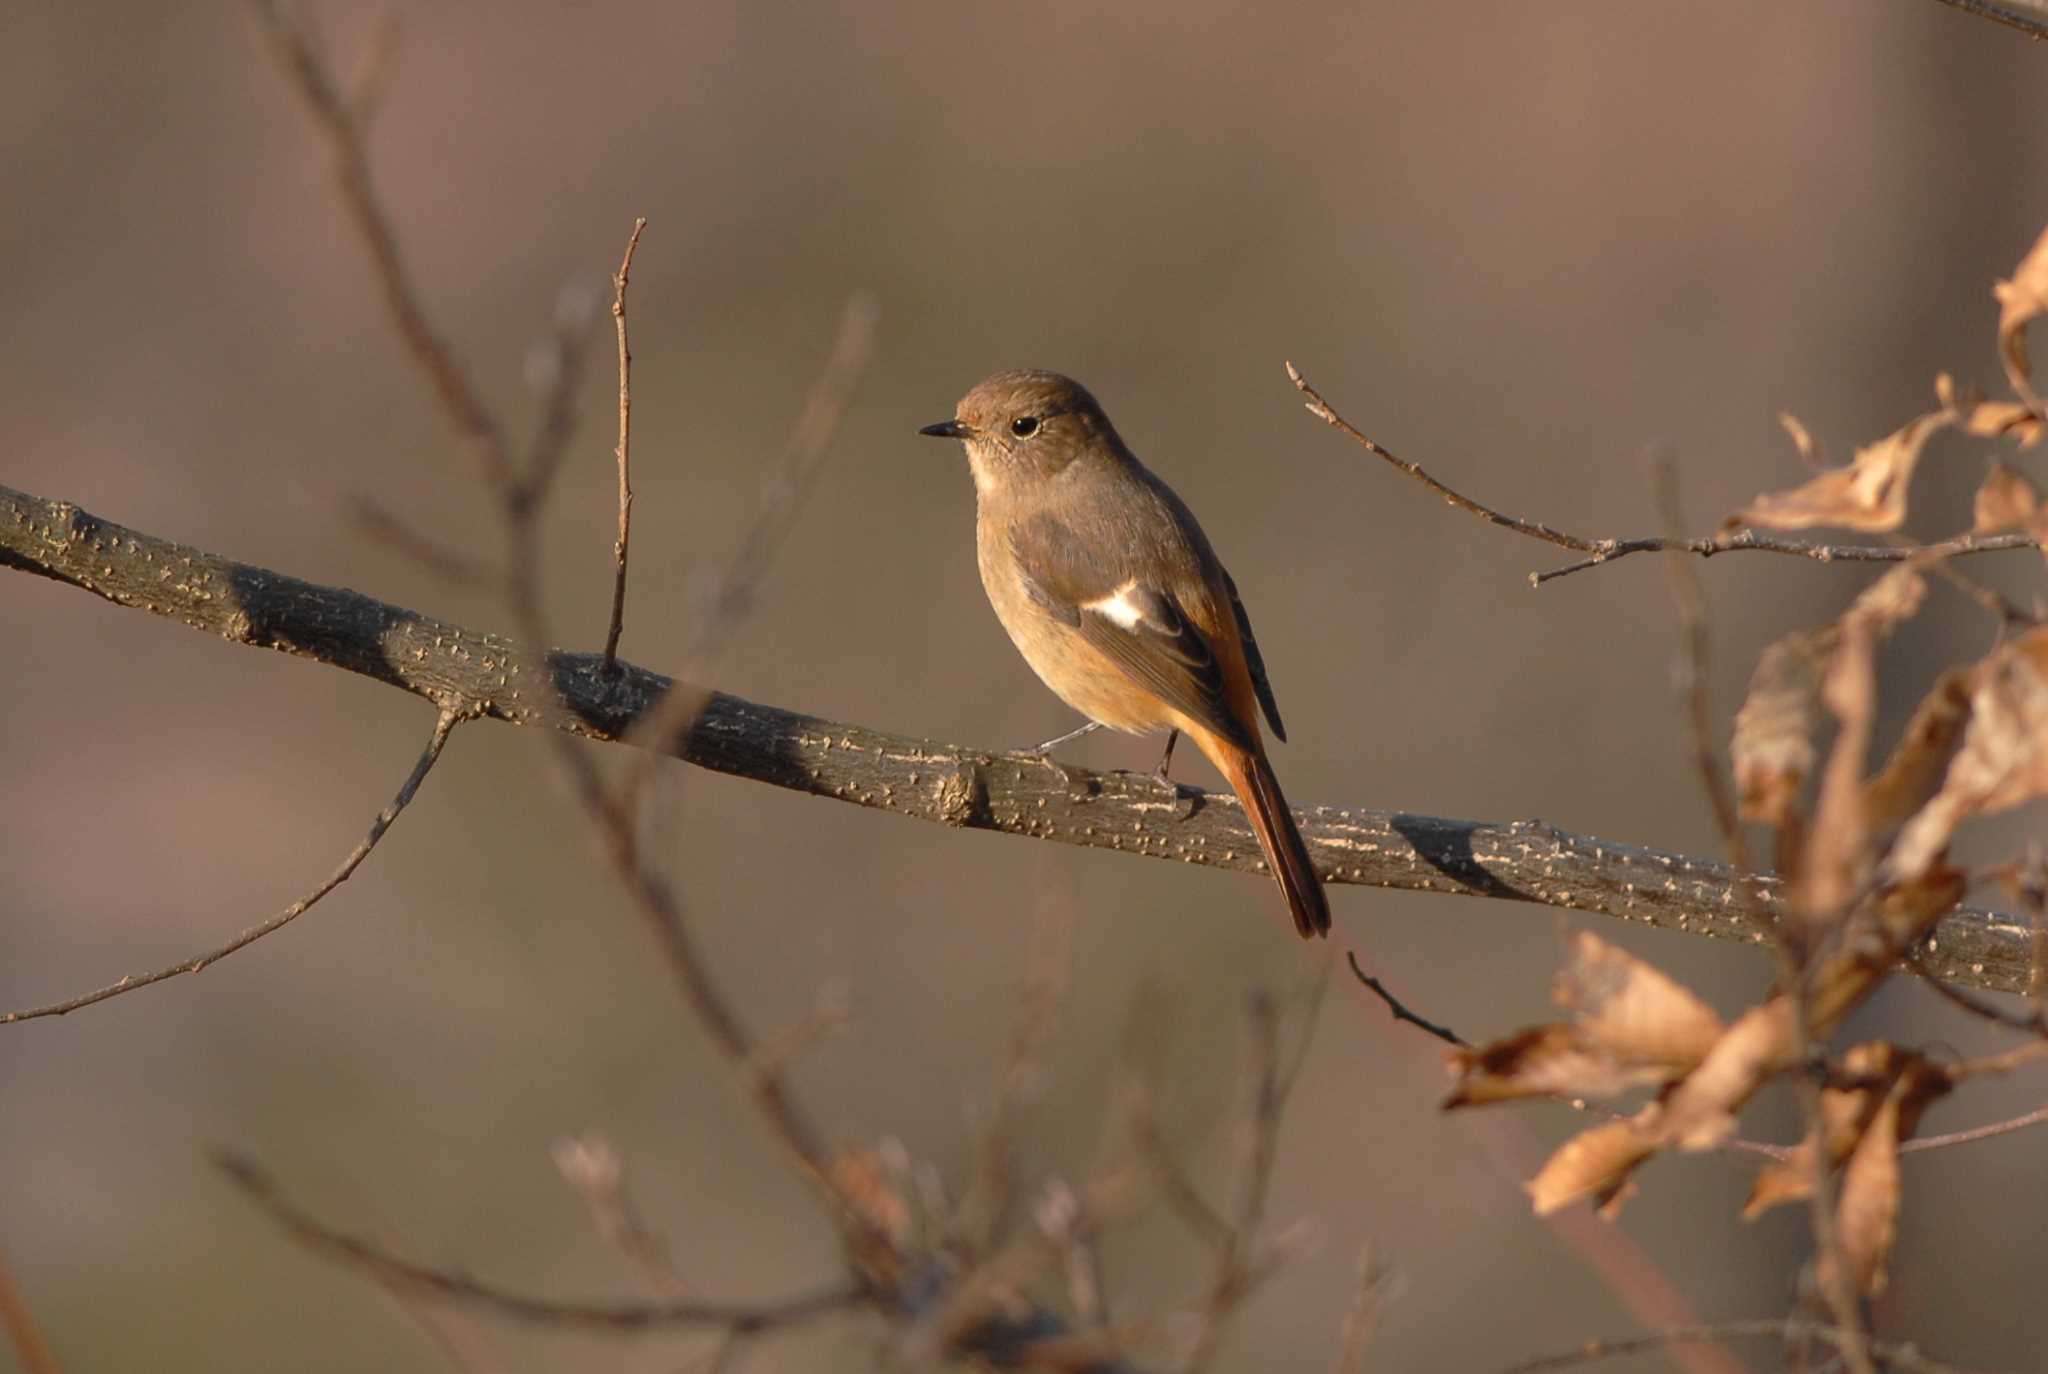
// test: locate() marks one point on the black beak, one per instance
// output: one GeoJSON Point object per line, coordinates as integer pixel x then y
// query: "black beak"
{"type": "Point", "coordinates": [946, 429]}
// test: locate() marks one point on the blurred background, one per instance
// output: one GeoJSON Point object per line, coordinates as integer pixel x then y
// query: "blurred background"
{"type": "Point", "coordinates": [1516, 243]}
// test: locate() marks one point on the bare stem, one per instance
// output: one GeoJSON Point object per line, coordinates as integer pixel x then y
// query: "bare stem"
{"type": "Point", "coordinates": [625, 450]}
{"type": "Point", "coordinates": [443, 727]}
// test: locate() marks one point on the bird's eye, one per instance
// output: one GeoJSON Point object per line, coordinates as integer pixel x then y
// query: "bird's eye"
{"type": "Point", "coordinates": [1024, 426]}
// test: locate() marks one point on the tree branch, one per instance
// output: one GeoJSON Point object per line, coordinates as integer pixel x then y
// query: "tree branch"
{"type": "Point", "coordinates": [396, 1272]}
{"type": "Point", "coordinates": [475, 675]}
{"type": "Point", "coordinates": [1601, 551]}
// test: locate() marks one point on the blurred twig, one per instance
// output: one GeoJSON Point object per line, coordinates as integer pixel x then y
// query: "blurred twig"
{"type": "Point", "coordinates": [23, 1332]}
{"type": "Point", "coordinates": [1242, 1263]}
{"type": "Point", "coordinates": [397, 1272]}
{"type": "Point", "coordinates": [1601, 551]}
{"type": "Point", "coordinates": [1899, 1357]}
{"type": "Point", "coordinates": [590, 1165]}
{"type": "Point", "coordinates": [432, 752]}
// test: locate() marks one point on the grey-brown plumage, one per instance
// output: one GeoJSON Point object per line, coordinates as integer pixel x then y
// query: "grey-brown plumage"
{"type": "Point", "coordinates": [1110, 590]}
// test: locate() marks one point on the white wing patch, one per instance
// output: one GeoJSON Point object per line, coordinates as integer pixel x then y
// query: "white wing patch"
{"type": "Point", "coordinates": [1119, 606]}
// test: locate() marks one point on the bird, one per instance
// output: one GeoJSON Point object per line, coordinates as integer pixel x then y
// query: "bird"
{"type": "Point", "coordinates": [1114, 596]}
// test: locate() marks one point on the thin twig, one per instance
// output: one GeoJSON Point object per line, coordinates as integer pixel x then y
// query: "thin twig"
{"type": "Point", "coordinates": [1899, 1357]}
{"type": "Point", "coordinates": [379, 522]}
{"type": "Point", "coordinates": [2019, 1057]}
{"type": "Point", "coordinates": [624, 451]}
{"type": "Point", "coordinates": [1975, 1133]}
{"type": "Point", "coordinates": [398, 1272]}
{"type": "Point", "coordinates": [1962, 546]}
{"type": "Point", "coordinates": [443, 726]}
{"type": "Point", "coordinates": [1601, 551]}
{"type": "Point", "coordinates": [1400, 1010]}
{"type": "Point", "coordinates": [23, 1331]}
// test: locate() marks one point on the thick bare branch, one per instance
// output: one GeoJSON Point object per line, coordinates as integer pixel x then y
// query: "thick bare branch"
{"type": "Point", "coordinates": [483, 675]}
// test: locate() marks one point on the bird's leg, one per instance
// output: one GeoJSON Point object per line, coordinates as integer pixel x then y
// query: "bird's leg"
{"type": "Point", "coordinates": [1087, 728]}
{"type": "Point", "coordinates": [1166, 759]}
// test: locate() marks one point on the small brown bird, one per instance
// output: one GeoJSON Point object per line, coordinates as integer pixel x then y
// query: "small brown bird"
{"type": "Point", "coordinates": [1111, 592]}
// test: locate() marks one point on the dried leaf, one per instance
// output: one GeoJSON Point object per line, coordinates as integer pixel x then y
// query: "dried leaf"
{"type": "Point", "coordinates": [1632, 1010]}
{"type": "Point", "coordinates": [1845, 1115]}
{"type": "Point", "coordinates": [1772, 748]}
{"type": "Point", "coordinates": [1868, 494]}
{"type": "Point", "coordinates": [1866, 1214]}
{"type": "Point", "coordinates": [862, 1178]}
{"type": "Point", "coordinates": [1989, 419]}
{"type": "Point", "coordinates": [1594, 1163]}
{"type": "Point", "coordinates": [1902, 913]}
{"type": "Point", "coordinates": [1810, 451]}
{"type": "Point", "coordinates": [2020, 299]}
{"type": "Point", "coordinates": [1913, 772]}
{"type": "Point", "coordinates": [2007, 500]}
{"type": "Point", "coordinates": [1555, 1060]}
{"type": "Point", "coordinates": [1699, 1113]}
{"type": "Point", "coordinates": [1632, 1027]}
{"type": "Point", "coordinates": [2003, 759]}
{"type": "Point", "coordinates": [1837, 856]}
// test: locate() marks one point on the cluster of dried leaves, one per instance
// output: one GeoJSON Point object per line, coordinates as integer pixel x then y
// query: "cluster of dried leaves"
{"type": "Point", "coordinates": [1865, 862]}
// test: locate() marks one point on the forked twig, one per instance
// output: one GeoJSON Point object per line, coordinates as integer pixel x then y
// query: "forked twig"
{"type": "Point", "coordinates": [1601, 551]}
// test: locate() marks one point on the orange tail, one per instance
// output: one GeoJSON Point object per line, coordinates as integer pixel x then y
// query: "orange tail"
{"type": "Point", "coordinates": [1251, 777]}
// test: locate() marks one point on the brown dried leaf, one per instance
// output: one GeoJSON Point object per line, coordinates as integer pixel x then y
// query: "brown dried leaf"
{"type": "Point", "coordinates": [1868, 494]}
{"type": "Point", "coordinates": [2008, 499]}
{"type": "Point", "coordinates": [1837, 856]}
{"type": "Point", "coordinates": [1866, 1214]}
{"type": "Point", "coordinates": [1594, 1163]}
{"type": "Point", "coordinates": [862, 1179]}
{"type": "Point", "coordinates": [1902, 913]}
{"type": "Point", "coordinates": [1845, 1115]}
{"type": "Point", "coordinates": [1810, 451]}
{"type": "Point", "coordinates": [2020, 300]}
{"type": "Point", "coordinates": [1699, 1113]}
{"type": "Point", "coordinates": [1913, 772]}
{"type": "Point", "coordinates": [1555, 1060]}
{"type": "Point", "coordinates": [1632, 1010]}
{"type": "Point", "coordinates": [1989, 419]}
{"type": "Point", "coordinates": [1772, 748]}
{"type": "Point", "coordinates": [2003, 759]}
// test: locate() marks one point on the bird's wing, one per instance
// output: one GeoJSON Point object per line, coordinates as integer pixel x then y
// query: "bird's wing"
{"type": "Point", "coordinates": [1142, 628]}
{"type": "Point", "coordinates": [1254, 662]}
